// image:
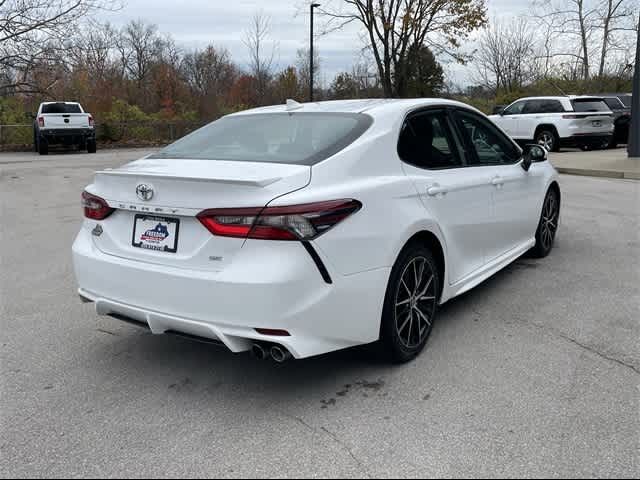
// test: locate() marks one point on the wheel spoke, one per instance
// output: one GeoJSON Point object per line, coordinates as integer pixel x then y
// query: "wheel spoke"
{"type": "Point", "coordinates": [424, 317]}
{"type": "Point", "coordinates": [406, 288]}
{"type": "Point", "coordinates": [424, 291]}
{"type": "Point", "coordinates": [410, 329]}
{"type": "Point", "coordinates": [405, 323]}
{"type": "Point", "coordinates": [403, 302]}
{"type": "Point", "coordinates": [420, 274]}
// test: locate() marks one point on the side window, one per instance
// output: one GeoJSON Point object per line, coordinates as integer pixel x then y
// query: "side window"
{"type": "Point", "coordinates": [514, 109]}
{"type": "Point", "coordinates": [426, 142]}
{"type": "Point", "coordinates": [533, 106]}
{"type": "Point", "coordinates": [490, 146]}
{"type": "Point", "coordinates": [552, 106]}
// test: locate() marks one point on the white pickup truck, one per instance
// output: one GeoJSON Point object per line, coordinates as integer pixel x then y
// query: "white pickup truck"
{"type": "Point", "coordinates": [63, 123]}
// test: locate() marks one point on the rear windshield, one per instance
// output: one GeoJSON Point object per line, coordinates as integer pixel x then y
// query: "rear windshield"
{"type": "Point", "coordinates": [613, 103]}
{"type": "Point", "coordinates": [61, 108]}
{"type": "Point", "coordinates": [293, 138]}
{"type": "Point", "coordinates": [626, 100]}
{"type": "Point", "coordinates": [590, 105]}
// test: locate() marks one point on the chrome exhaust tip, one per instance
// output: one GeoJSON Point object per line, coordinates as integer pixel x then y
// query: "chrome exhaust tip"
{"type": "Point", "coordinates": [280, 354]}
{"type": "Point", "coordinates": [259, 352]}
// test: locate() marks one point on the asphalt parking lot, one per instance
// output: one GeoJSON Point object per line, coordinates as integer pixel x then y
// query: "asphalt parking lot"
{"type": "Point", "coordinates": [534, 373]}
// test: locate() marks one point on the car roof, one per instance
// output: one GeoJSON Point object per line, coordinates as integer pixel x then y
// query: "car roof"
{"type": "Point", "coordinates": [66, 103]}
{"type": "Point", "coordinates": [371, 106]}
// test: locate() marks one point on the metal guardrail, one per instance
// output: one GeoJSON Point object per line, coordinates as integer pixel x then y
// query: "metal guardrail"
{"type": "Point", "coordinates": [155, 132]}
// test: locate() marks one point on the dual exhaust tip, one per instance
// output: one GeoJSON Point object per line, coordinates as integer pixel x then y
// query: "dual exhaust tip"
{"type": "Point", "coordinates": [276, 352]}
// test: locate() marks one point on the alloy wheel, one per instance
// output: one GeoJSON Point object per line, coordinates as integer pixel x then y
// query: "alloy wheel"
{"type": "Point", "coordinates": [549, 221]}
{"type": "Point", "coordinates": [415, 303]}
{"type": "Point", "coordinates": [546, 140]}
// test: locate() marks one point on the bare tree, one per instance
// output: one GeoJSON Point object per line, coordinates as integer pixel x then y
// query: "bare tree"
{"type": "Point", "coordinates": [503, 60]}
{"type": "Point", "coordinates": [261, 55]}
{"type": "Point", "coordinates": [302, 67]}
{"type": "Point", "coordinates": [617, 16]}
{"type": "Point", "coordinates": [32, 31]}
{"type": "Point", "coordinates": [210, 74]}
{"type": "Point", "coordinates": [582, 30]}
{"type": "Point", "coordinates": [394, 26]}
{"type": "Point", "coordinates": [140, 46]}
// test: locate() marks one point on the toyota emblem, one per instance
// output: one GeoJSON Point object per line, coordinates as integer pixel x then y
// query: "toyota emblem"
{"type": "Point", "coordinates": [144, 192]}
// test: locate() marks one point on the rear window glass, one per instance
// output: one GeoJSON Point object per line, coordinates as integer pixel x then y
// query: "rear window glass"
{"type": "Point", "coordinates": [626, 100]}
{"type": "Point", "coordinates": [613, 103]}
{"type": "Point", "coordinates": [61, 108]}
{"type": "Point", "coordinates": [589, 105]}
{"type": "Point", "coordinates": [292, 138]}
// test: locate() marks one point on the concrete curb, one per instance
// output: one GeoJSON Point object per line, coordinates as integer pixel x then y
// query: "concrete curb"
{"type": "Point", "coordinates": [599, 173]}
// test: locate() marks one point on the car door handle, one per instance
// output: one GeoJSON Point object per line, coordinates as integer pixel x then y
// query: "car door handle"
{"type": "Point", "coordinates": [436, 189]}
{"type": "Point", "coordinates": [497, 181]}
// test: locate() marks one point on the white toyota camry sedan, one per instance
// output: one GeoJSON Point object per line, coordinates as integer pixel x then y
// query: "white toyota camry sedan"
{"type": "Point", "coordinates": [301, 229]}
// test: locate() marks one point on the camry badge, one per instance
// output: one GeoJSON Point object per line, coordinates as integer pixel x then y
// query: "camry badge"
{"type": "Point", "coordinates": [144, 192]}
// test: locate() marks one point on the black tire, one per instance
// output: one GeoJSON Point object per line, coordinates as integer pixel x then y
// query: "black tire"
{"type": "Point", "coordinates": [548, 138]}
{"type": "Point", "coordinates": [548, 225]}
{"type": "Point", "coordinates": [613, 143]}
{"type": "Point", "coordinates": [585, 148]}
{"type": "Point", "coordinates": [91, 146]}
{"type": "Point", "coordinates": [407, 322]}
{"type": "Point", "coordinates": [43, 146]}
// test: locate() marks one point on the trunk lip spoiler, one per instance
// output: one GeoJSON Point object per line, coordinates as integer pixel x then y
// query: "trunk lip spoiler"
{"type": "Point", "coordinates": [230, 181]}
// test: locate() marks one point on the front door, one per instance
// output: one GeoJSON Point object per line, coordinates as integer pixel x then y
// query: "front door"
{"type": "Point", "coordinates": [513, 218]}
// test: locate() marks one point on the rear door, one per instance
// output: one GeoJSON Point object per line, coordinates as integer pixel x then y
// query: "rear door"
{"type": "Point", "coordinates": [537, 112]}
{"type": "Point", "coordinates": [512, 219]}
{"type": "Point", "coordinates": [458, 197]}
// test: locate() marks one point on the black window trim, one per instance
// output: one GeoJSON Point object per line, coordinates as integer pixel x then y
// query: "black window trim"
{"type": "Point", "coordinates": [471, 148]}
{"type": "Point", "coordinates": [451, 132]}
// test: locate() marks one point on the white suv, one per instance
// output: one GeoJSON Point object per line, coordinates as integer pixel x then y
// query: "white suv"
{"type": "Point", "coordinates": [571, 121]}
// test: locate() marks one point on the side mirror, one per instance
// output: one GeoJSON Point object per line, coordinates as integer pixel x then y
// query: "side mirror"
{"type": "Point", "coordinates": [533, 153]}
{"type": "Point", "coordinates": [498, 110]}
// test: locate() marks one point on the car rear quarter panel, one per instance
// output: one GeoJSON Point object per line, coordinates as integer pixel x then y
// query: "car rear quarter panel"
{"type": "Point", "coordinates": [392, 212]}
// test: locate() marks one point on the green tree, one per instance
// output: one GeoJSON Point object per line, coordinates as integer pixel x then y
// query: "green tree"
{"type": "Point", "coordinates": [424, 75]}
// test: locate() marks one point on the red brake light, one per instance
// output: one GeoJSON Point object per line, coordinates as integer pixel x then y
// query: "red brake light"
{"type": "Point", "coordinates": [95, 207]}
{"type": "Point", "coordinates": [92, 122]}
{"type": "Point", "coordinates": [296, 222]}
{"type": "Point", "coordinates": [41, 122]}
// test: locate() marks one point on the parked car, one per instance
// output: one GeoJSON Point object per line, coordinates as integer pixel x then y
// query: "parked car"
{"type": "Point", "coordinates": [555, 122]}
{"type": "Point", "coordinates": [63, 123]}
{"type": "Point", "coordinates": [622, 117]}
{"type": "Point", "coordinates": [302, 229]}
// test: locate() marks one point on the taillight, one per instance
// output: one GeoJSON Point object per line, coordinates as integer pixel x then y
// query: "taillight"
{"type": "Point", "coordinates": [95, 207]}
{"type": "Point", "coordinates": [92, 122]}
{"type": "Point", "coordinates": [41, 122]}
{"type": "Point", "coordinates": [296, 222]}
{"type": "Point", "coordinates": [571, 117]}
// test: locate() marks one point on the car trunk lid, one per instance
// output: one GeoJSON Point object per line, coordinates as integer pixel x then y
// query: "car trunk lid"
{"type": "Point", "coordinates": [162, 197]}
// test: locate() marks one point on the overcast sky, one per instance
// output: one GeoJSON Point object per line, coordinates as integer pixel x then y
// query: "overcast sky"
{"type": "Point", "coordinates": [196, 23]}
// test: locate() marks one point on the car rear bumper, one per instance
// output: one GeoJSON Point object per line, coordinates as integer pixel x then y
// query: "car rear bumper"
{"type": "Point", "coordinates": [589, 140]}
{"type": "Point", "coordinates": [283, 291]}
{"type": "Point", "coordinates": [71, 135]}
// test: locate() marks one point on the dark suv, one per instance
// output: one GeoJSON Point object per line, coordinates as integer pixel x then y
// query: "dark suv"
{"type": "Point", "coordinates": [620, 105]}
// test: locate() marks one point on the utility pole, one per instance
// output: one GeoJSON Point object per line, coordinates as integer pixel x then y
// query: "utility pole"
{"type": "Point", "coordinates": [312, 7]}
{"type": "Point", "coordinates": [633, 148]}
